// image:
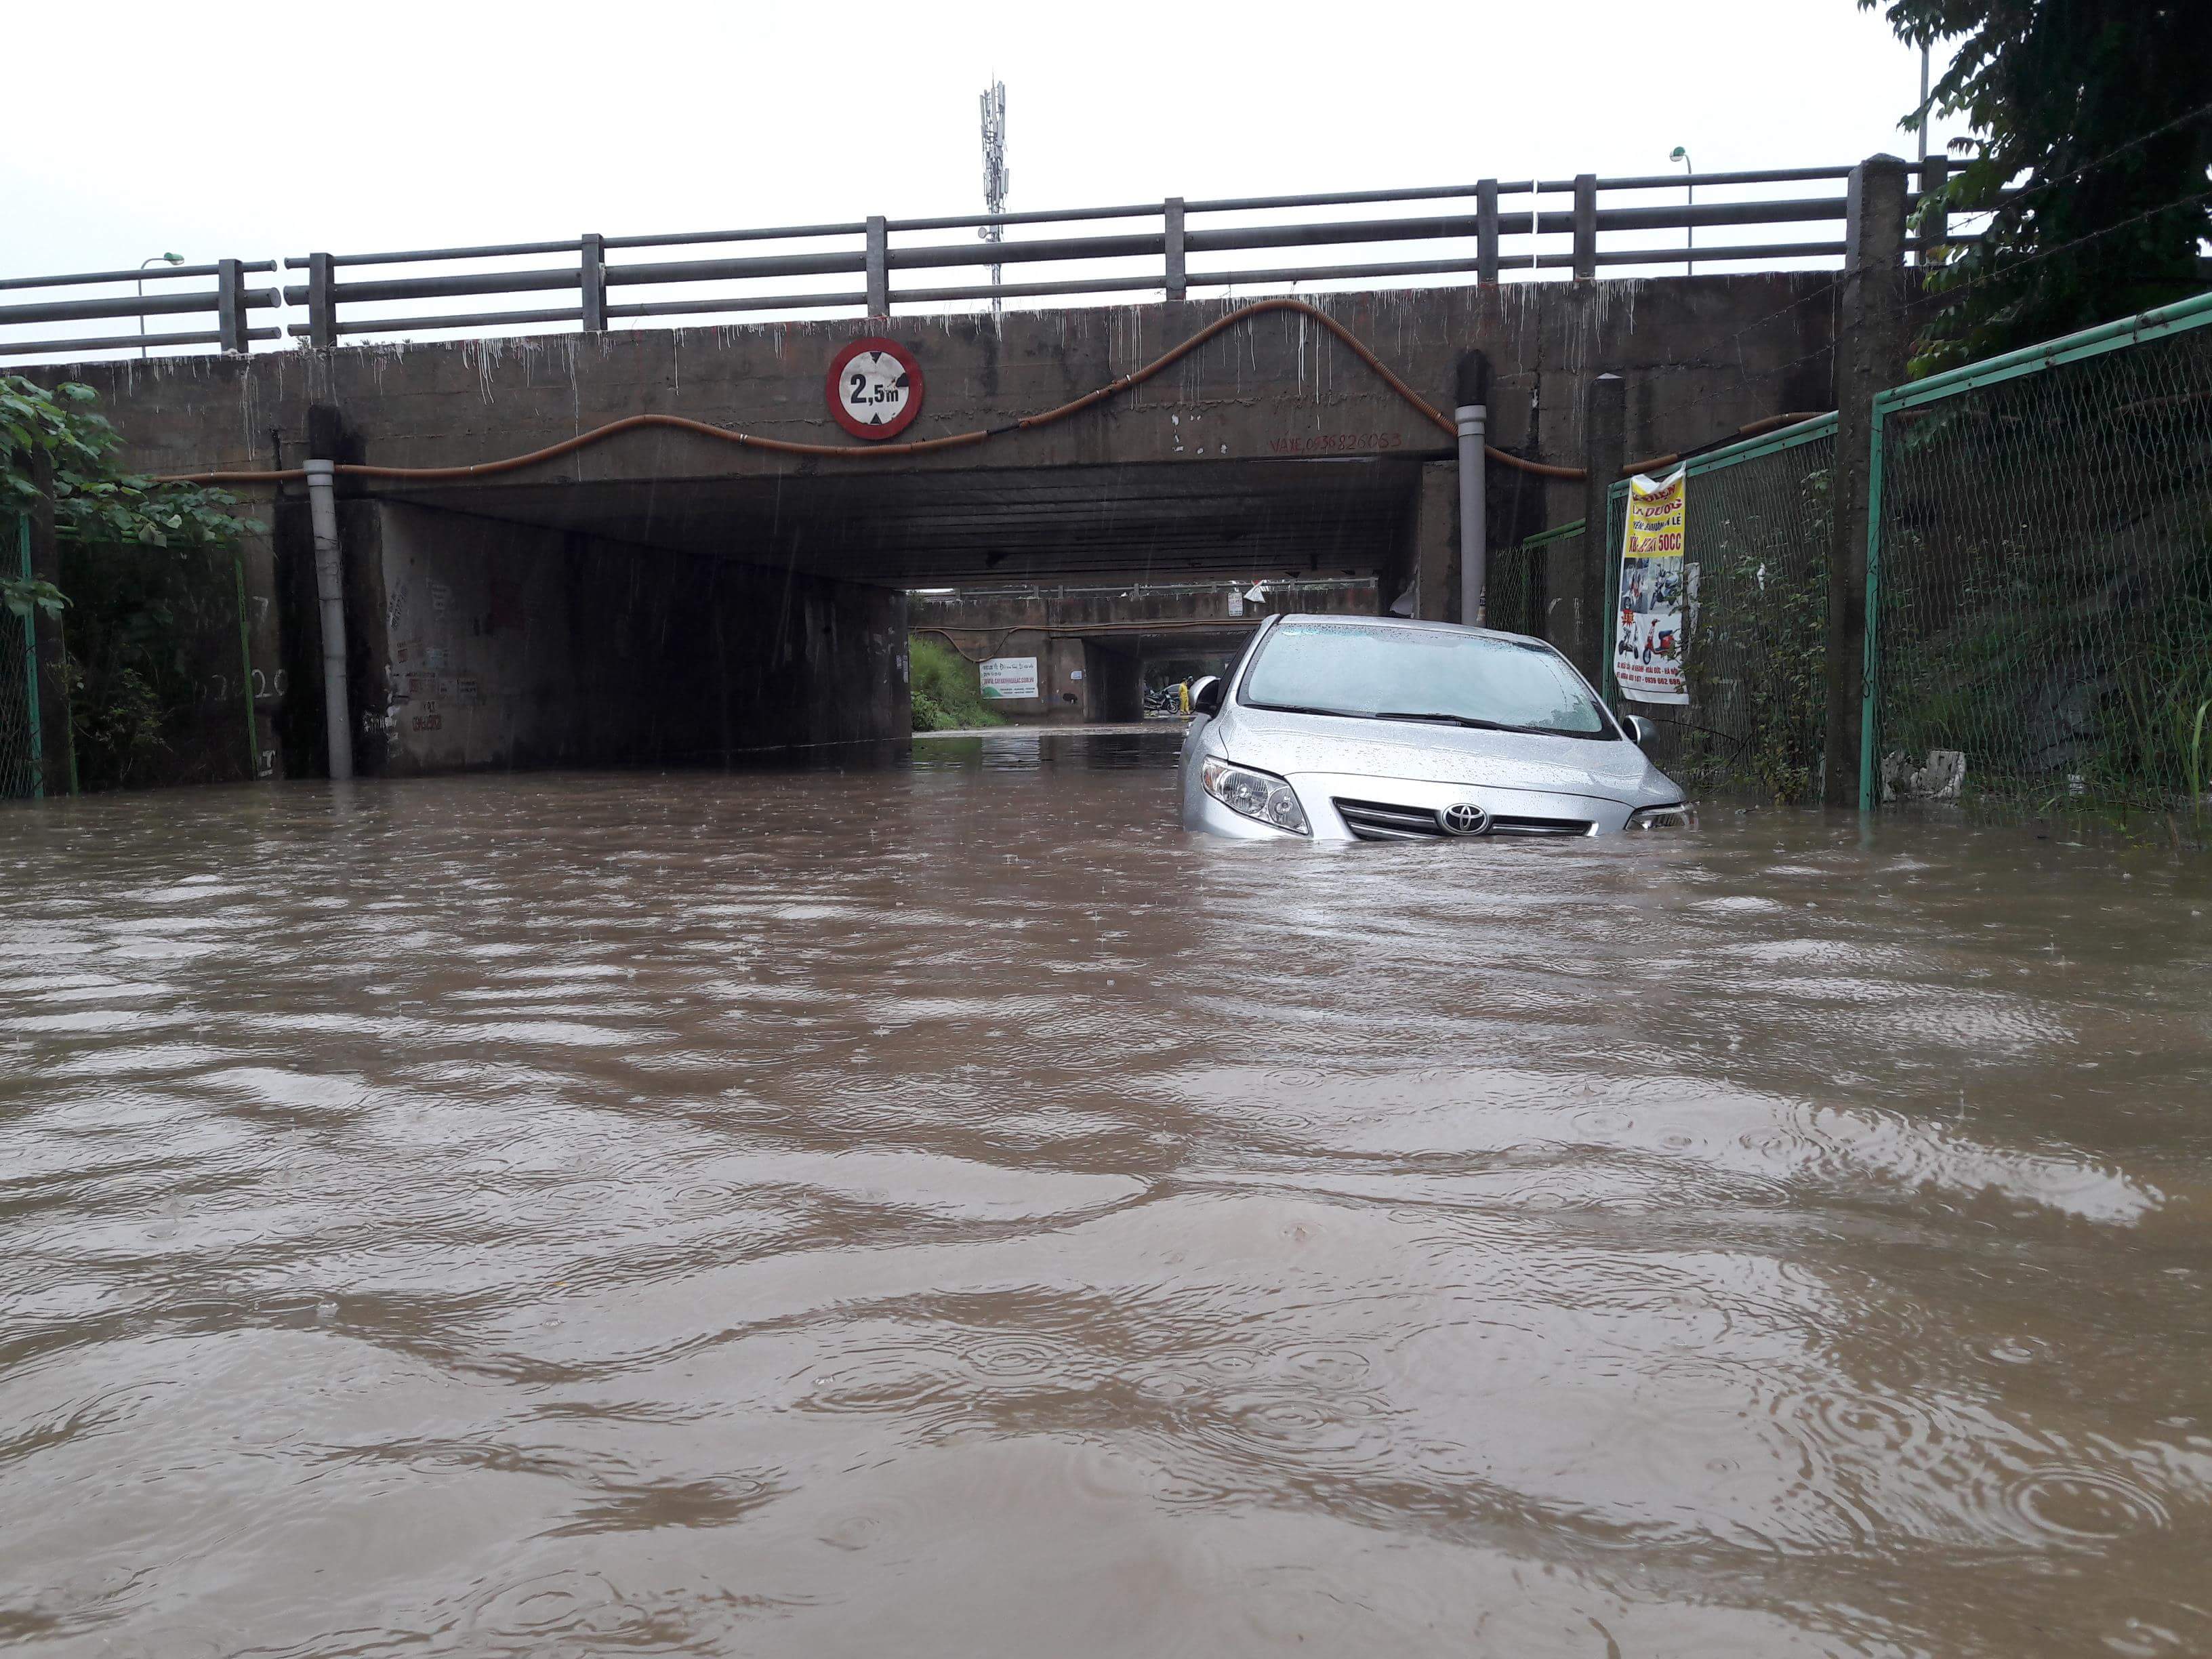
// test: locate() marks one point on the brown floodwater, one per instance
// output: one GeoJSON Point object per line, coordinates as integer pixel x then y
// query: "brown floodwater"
{"type": "Point", "coordinates": [945, 1210]}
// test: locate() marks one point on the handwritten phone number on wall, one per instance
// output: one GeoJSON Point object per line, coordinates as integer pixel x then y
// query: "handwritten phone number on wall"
{"type": "Point", "coordinates": [1336, 443]}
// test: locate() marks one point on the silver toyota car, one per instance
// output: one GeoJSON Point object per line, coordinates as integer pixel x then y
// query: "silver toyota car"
{"type": "Point", "coordinates": [1358, 728]}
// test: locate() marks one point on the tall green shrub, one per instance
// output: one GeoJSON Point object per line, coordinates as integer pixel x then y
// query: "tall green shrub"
{"type": "Point", "coordinates": [948, 693]}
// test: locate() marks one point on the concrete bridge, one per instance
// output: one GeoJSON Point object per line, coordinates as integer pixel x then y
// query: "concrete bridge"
{"type": "Point", "coordinates": [662, 596]}
{"type": "Point", "coordinates": [729, 573]}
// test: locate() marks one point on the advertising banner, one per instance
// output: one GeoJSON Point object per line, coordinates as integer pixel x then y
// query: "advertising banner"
{"type": "Point", "coordinates": [1009, 677]}
{"type": "Point", "coordinates": [1647, 649]}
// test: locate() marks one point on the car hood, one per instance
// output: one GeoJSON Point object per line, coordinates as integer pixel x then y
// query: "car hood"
{"type": "Point", "coordinates": [1285, 744]}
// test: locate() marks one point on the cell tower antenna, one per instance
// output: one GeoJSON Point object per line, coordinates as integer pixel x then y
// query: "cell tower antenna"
{"type": "Point", "coordinates": [996, 176]}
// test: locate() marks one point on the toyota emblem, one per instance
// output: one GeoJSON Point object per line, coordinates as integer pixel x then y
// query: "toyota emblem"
{"type": "Point", "coordinates": [1463, 817]}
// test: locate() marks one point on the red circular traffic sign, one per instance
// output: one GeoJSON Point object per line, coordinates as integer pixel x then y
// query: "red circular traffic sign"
{"type": "Point", "coordinates": [875, 388]}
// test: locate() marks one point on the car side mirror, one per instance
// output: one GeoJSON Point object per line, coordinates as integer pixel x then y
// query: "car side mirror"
{"type": "Point", "coordinates": [1640, 731]}
{"type": "Point", "coordinates": [1206, 697]}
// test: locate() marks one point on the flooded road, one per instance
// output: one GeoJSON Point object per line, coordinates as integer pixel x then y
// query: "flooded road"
{"type": "Point", "coordinates": [947, 1211]}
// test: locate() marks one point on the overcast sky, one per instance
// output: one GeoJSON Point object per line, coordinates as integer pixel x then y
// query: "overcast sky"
{"type": "Point", "coordinates": [410, 125]}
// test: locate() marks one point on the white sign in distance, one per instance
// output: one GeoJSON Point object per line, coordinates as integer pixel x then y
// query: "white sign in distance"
{"type": "Point", "coordinates": [1006, 678]}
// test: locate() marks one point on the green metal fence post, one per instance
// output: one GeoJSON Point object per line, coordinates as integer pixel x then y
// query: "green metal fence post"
{"type": "Point", "coordinates": [1870, 696]}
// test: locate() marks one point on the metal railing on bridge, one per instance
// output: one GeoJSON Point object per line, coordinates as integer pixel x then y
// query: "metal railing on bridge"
{"type": "Point", "coordinates": [1486, 232]}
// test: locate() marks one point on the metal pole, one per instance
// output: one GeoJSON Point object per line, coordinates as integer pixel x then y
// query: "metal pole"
{"type": "Point", "coordinates": [1690, 184]}
{"type": "Point", "coordinates": [1924, 104]}
{"type": "Point", "coordinates": [1870, 672]}
{"type": "Point", "coordinates": [1920, 179]}
{"type": "Point", "coordinates": [1472, 416]}
{"type": "Point", "coordinates": [330, 593]}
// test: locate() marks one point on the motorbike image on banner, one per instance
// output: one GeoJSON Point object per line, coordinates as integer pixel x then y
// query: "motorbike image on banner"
{"type": "Point", "coordinates": [1647, 650]}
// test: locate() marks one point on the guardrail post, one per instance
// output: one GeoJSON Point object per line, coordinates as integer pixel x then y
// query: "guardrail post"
{"type": "Point", "coordinates": [322, 303]}
{"type": "Point", "coordinates": [592, 278]}
{"type": "Point", "coordinates": [1585, 226]}
{"type": "Point", "coordinates": [1872, 334]}
{"type": "Point", "coordinates": [880, 279]}
{"type": "Point", "coordinates": [1581, 575]}
{"type": "Point", "coordinates": [1485, 230]}
{"type": "Point", "coordinates": [230, 304]}
{"type": "Point", "coordinates": [1178, 284]}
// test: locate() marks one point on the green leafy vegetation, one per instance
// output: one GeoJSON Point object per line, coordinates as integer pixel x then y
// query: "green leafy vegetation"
{"type": "Point", "coordinates": [147, 576]}
{"type": "Point", "coordinates": [948, 693]}
{"type": "Point", "coordinates": [2092, 154]}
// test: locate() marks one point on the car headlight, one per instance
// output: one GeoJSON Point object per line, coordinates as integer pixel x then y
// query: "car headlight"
{"type": "Point", "coordinates": [1679, 816]}
{"type": "Point", "coordinates": [1261, 795]}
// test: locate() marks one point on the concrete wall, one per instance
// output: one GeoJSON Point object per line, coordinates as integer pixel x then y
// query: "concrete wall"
{"type": "Point", "coordinates": [474, 643]}
{"type": "Point", "coordinates": [1702, 355]}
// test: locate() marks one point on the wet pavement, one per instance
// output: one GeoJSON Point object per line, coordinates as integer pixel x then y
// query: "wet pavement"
{"type": "Point", "coordinates": [945, 1210]}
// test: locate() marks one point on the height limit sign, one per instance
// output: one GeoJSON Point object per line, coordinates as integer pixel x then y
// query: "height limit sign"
{"type": "Point", "coordinates": [875, 388]}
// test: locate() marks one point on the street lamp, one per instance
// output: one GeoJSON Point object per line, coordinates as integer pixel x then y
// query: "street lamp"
{"type": "Point", "coordinates": [158, 259]}
{"type": "Point", "coordinates": [1690, 183]}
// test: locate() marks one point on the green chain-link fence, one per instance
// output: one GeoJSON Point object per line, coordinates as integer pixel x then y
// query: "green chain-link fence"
{"type": "Point", "coordinates": [161, 689]}
{"type": "Point", "coordinates": [19, 687]}
{"type": "Point", "coordinates": [1517, 589]}
{"type": "Point", "coordinates": [2040, 576]}
{"type": "Point", "coordinates": [1756, 529]}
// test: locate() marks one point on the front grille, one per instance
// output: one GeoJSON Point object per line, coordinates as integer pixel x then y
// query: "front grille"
{"type": "Point", "coordinates": [1375, 820]}
{"type": "Point", "coordinates": [1504, 825]}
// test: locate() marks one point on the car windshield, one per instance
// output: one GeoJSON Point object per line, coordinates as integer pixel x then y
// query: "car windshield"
{"type": "Point", "coordinates": [1379, 671]}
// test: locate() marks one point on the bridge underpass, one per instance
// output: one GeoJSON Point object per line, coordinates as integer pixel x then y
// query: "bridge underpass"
{"type": "Point", "coordinates": [1095, 649]}
{"type": "Point", "coordinates": [676, 596]}
{"type": "Point", "coordinates": [690, 621]}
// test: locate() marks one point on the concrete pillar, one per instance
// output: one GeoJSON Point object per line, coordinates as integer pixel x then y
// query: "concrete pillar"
{"type": "Point", "coordinates": [1579, 567]}
{"type": "Point", "coordinates": [262, 627]}
{"type": "Point", "coordinates": [1436, 542]}
{"type": "Point", "coordinates": [1872, 340]}
{"type": "Point", "coordinates": [57, 746]}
